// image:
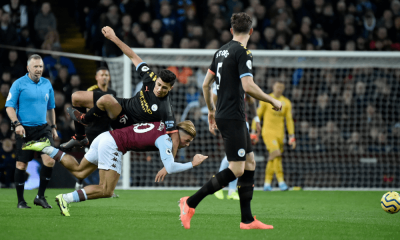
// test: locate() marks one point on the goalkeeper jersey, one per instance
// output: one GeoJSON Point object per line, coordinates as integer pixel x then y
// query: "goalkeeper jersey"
{"type": "Point", "coordinates": [273, 121]}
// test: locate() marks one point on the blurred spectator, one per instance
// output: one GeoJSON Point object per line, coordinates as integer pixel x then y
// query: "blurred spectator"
{"type": "Point", "coordinates": [156, 32]}
{"type": "Point", "coordinates": [13, 65]}
{"type": "Point", "coordinates": [331, 137]}
{"type": "Point", "coordinates": [34, 7]}
{"type": "Point", "coordinates": [7, 162]}
{"type": "Point", "coordinates": [192, 94]}
{"type": "Point", "coordinates": [318, 38]}
{"type": "Point", "coordinates": [51, 41]}
{"type": "Point", "coordinates": [61, 82]}
{"type": "Point", "coordinates": [73, 86]}
{"type": "Point", "coordinates": [5, 77]}
{"type": "Point", "coordinates": [18, 14]}
{"type": "Point", "coordinates": [335, 45]}
{"type": "Point", "coordinates": [8, 33]}
{"type": "Point", "coordinates": [4, 89]}
{"type": "Point", "coordinates": [182, 73]}
{"type": "Point", "coordinates": [45, 21]}
{"type": "Point", "coordinates": [168, 41]}
{"type": "Point", "coordinates": [59, 100]}
{"type": "Point", "coordinates": [54, 62]}
{"type": "Point", "coordinates": [169, 22]}
{"type": "Point", "coordinates": [5, 131]}
{"type": "Point", "coordinates": [354, 144]}
{"type": "Point", "coordinates": [25, 38]}
{"type": "Point", "coordinates": [268, 42]}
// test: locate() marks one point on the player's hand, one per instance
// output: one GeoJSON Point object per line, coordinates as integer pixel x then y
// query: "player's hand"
{"type": "Point", "coordinates": [211, 122]}
{"type": "Point", "coordinates": [254, 138]}
{"type": "Point", "coordinates": [292, 142]}
{"type": "Point", "coordinates": [161, 175]}
{"type": "Point", "coordinates": [20, 130]}
{"type": "Point", "coordinates": [277, 105]}
{"type": "Point", "coordinates": [108, 32]}
{"type": "Point", "coordinates": [198, 159]}
{"type": "Point", "coordinates": [54, 133]}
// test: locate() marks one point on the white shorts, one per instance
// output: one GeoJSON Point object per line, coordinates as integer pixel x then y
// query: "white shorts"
{"type": "Point", "coordinates": [104, 153]}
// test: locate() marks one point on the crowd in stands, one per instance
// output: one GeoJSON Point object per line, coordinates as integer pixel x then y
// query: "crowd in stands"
{"type": "Point", "coordinates": [353, 110]}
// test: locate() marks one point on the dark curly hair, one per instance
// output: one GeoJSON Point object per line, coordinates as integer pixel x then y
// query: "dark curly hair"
{"type": "Point", "coordinates": [167, 76]}
{"type": "Point", "coordinates": [241, 22]}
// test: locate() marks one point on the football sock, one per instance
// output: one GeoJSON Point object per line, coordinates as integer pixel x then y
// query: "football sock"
{"type": "Point", "coordinates": [269, 172]}
{"type": "Point", "coordinates": [45, 176]}
{"type": "Point", "coordinates": [278, 169]}
{"type": "Point", "coordinates": [79, 128]}
{"type": "Point", "coordinates": [80, 181]}
{"type": "Point", "coordinates": [54, 153]}
{"type": "Point", "coordinates": [217, 182]}
{"type": "Point", "coordinates": [75, 196]}
{"type": "Point", "coordinates": [19, 178]}
{"type": "Point", "coordinates": [93, 114]}
{"type": "Point", "coordinates": [245, 190]}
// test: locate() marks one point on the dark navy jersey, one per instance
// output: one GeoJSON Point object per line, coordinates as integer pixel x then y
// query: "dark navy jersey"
{"type": "Point", "coordinates": [230, 63]}
{"type": "Point", "coordinates": [146, 107]}
{"type": "Point", "coordinates": [103, 124]}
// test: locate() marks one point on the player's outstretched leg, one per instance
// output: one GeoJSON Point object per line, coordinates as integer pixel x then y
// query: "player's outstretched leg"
{"type": "Point", "coordinates": [63, 205]}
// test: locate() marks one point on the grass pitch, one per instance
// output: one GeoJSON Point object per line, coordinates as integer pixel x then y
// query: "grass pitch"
{"type": "Point", "coordinates": [155, 215]}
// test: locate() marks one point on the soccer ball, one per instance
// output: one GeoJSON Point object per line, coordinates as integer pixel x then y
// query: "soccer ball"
{"type": "Point", "coordinates": [390, 202]}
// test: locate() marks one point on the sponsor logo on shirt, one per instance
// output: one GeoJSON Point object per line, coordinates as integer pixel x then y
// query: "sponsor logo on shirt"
{"type": "Point", "coordinates": [224, 53]}
{"type": "Point", "coordinates": [145, 68]}
{"type": "Point", "coordinates": [154, 107]}
{"type": "Point", "coordinates": [241, 152]}
{"type": "Point", "coordinates": [168, 151]}
{"type": "Point", "coordinates": [144, 104]}
{"type": "Point", "coordinates": [169, 124]}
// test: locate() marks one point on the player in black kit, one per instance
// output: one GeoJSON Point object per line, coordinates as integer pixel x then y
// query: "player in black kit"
{"type": "Point", "coordinates": [231, 68]}
{"type": "Point", "coordinates": [151, 103]}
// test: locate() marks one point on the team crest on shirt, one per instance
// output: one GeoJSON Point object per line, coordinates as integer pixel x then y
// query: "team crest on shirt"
{"type": "Point", "coordinates": [46, 97]}
{"type": "Point", "coordinates": [145, 68]}
{"type": "Point", "coordinates": [154, 107]}
{"type": "Point", "coordinates": [9, 96]}
{"type": "Point", "coordinates": [248, 64]}
{"type": "Point", "coordinates": [241, 152]}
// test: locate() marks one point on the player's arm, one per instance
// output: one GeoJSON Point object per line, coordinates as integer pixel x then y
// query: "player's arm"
{"type": "Point", "coordinates": [255, 91]}
{"type": "Point", "coordinates": [165, 146]}
{"type": "Point", "coordinates": [208, 97]}
{"type": "Point", "coordinates": [110, 34]}
{"type": "Point", "coordinates": [168, 117]}
{"type": "Point", "coordinates": [290, 125]}
{"type": "Point", "coordinates": [11, 104]}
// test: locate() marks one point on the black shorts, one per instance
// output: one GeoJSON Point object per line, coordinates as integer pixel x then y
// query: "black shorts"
{"type": "Point", "coordinates": [236, 138]}
{"type": "Point", "coordinates": [32, 133]}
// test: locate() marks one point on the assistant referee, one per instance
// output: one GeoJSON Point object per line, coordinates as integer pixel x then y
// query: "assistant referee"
{"type": "Point", "coordinates": [30, 101]}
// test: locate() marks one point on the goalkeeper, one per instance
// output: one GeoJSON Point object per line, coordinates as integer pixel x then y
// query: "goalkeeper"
{"type": "Point", "coordinates": [106, 152]}
{"type": "Point", "coordinates": [273, 132]}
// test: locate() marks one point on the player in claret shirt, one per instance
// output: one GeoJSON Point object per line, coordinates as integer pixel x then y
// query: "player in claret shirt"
{"type": "Point", "coordinates": [106, 152]}
{"type": "Point", "coordinates": [151, 103]}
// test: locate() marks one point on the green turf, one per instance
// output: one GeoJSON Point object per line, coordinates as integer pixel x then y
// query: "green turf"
{"type": "Point", "coordinates": [155, 214]}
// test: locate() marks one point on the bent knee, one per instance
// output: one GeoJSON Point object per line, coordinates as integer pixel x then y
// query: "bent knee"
{"type": "Point", "coordinates": [238, 172]}
{"type": "Point", "coordinates": [108, 193]}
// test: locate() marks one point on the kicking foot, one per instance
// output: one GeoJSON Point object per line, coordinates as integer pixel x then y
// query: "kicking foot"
{"type": "Point", "coordinates": [22, 204]}
{"type": "Point", "coordinates": [75, 143]}
{"type": "Point", "coordinates": [219, 194]}
{"type": "Point", "coordinates": [41, 201]}
{"type": "Point", "coordinates": [234, 196]}
{"type": "Point", "coordinates": [36, 146]}
{"type": "Point", "coordinates": [63, 205]}
{"type": "Point", "coordinates": [186, 212]}
{"type": "Point", "coordinates": [255, 225]}
{"type": "Point", "coordinates": [76, 115]}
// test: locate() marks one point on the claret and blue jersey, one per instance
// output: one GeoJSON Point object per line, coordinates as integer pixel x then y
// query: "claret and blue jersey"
{"type": "Point", "coordinates": [31, 100]}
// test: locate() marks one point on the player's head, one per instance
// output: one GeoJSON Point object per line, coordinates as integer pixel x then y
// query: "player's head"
{"type": "Point", "coordinates": [102, 76]}
{"type": "Point", "coordinates": [278, 88]}
{"type": "Point", "coordinates": [164, 83]}
{"type": "Point", "coordinates": [241, 24]}
{"type": "Point", "coordinates": [187, 132]}
{"type": "Point", "coordinates": [35, 67]}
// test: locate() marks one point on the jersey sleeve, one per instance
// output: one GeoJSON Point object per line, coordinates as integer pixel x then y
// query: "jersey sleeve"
{"type": "Point", "coordinates": [167, 116]}
{"type": "Point", "coordinates": [145, 73]}
{"type": "Point", "coordinates": [164, 145]}
{"type": "Point", "coordinates": [13, 96]}
{"type": "Point", "coordinates": [245, 63]}
{"type": "Point", "coordinates": [51, 103]}
{"type": "Point", "coordinates": [289, 118]}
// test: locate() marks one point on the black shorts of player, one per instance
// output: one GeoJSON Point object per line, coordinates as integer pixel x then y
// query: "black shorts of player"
{"type": "Point", "coordinates": [123, 119]}
{"type": "Point", "coordinates": [236, 138]}
{"type": "Point", "coordinates": [32, 133]}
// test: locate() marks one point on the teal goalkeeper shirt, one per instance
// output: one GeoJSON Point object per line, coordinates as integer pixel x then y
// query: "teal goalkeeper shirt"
{"type": "Point", "coordinates": [31, 100]}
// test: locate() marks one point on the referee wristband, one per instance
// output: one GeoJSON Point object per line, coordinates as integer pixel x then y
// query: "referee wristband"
{"type": "Point", "coordinates": [53, 126]}
{"type": "Point", "coordinates": [256, 119]}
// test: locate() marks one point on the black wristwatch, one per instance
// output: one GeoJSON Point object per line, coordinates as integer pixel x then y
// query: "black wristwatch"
{"type": "Point", "coordinates": [53, 126]}
{"type": "Point", "coordinates": [16, 123]}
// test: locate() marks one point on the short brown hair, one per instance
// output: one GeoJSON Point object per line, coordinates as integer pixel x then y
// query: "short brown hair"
{"type": "Point", "coordinates": [188, 127]}
{"type": "Point", "coordinates": [241, 22]}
